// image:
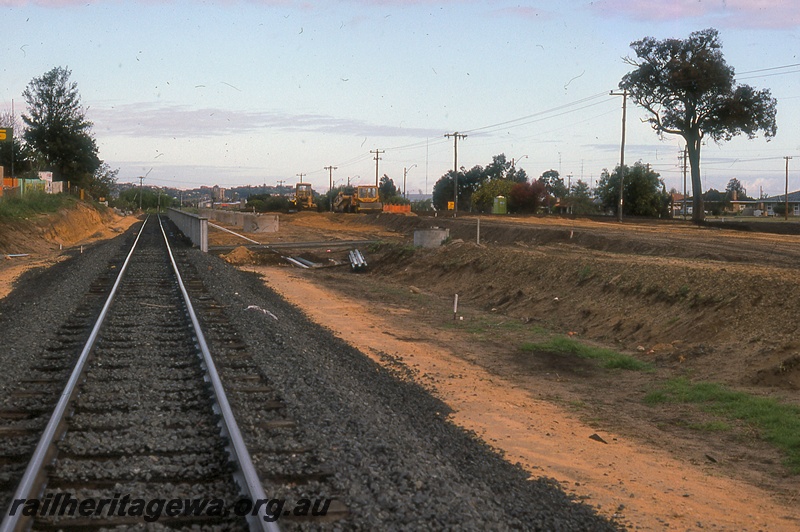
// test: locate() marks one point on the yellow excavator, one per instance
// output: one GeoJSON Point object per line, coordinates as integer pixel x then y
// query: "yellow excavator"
{"type": "Point", "coordinates": [363, 198]}
{"type": "Point", "coordinates": [303, 197]}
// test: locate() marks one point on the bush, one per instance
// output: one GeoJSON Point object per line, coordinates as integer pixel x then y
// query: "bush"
{"type": "Point", "coordinates": [397, 200]}
{"type": "Point", "coordinates": [527, 197]}
{"type": "Point", "coordinates": [267, 203]}
{"type": "Point", "coordinates": [422, 205]}
{"type": "Point", "coordinates": [483, 198]}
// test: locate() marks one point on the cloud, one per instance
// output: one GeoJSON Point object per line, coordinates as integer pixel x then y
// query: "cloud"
{"type": "Point", "coordinates": [524, 12]}
{"type": "Point", "coordinates": [766, 14]}
{"type": "Point", "coordinates": [303, 5]}
{"type": "Point", "coordinates": [149, 120]}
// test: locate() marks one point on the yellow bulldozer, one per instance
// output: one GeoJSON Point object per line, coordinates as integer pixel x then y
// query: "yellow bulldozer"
{"type": "Point", "coordinates": [303, 197]}
{"type": "Point", "coordinates": [363, 198]}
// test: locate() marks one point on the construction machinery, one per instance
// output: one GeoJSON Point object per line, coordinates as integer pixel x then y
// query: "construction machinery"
{"type": "Point", "coordinates": [363, 198]}
{"type": "Point", "coordinates": [303, 197]}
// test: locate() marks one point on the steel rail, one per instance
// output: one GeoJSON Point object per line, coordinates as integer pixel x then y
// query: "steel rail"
{"type": "Point", "coordinates": [246, 476]}
{"type": "Point", "coordinates": [33, 476]}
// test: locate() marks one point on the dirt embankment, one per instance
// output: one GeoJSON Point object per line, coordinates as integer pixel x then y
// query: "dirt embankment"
{"type": "Point", "coordinates": [706, 304]}
{"type": "Point", "coordinates": [67, 227]}
{"type": "Point", "coordinates": [731, 322]}
{"type": "Point", "coordinates": [723, 304]}
{"type": "Point", "coordinates": [528, 409]}
{"type": "Point", "coordinates": [42, 238]}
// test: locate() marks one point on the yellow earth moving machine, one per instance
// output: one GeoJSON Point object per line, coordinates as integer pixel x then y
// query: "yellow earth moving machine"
{"type": "Point", "coordinates": [367, 199]}
{"type": "Point", "coordinates": [303, 197]}
{"type": "Point", "coordinates": [363, 198]}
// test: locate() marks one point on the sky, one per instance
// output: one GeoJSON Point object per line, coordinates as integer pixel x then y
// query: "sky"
{"type": "Point", "coordinates": [252, 92]}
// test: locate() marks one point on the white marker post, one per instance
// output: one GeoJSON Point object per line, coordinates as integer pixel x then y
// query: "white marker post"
{"type": "Point", "coordinates": [455, 307]}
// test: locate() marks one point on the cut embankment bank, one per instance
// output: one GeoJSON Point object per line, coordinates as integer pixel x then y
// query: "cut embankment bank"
{"type": "Point", "coordinates": [34, 231]}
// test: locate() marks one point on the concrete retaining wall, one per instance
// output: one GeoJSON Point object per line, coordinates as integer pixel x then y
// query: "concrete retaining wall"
{"type": "Point", "coordinates": [246, 221]}
{"type": "Point", "coordinates": [194, 227]}
{"type": "Point", "coordinates": [260, 223]}
{"type": "Point", "coordinates": [430, 238]}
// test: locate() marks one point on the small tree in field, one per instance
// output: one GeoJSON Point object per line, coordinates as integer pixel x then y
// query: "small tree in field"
{"type": "Point", "coordinates": [645, 193]}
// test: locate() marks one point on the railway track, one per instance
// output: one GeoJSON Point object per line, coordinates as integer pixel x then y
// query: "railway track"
{"type": "Point", "coordinates": [143, 433]}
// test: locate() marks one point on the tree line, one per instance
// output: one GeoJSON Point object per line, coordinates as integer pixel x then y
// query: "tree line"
{"type": "Point", "coordinates": [644, 190]}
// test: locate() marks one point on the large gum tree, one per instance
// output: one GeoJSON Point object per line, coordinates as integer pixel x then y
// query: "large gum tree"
{"type": "Point", "coordinates": [689, 90]}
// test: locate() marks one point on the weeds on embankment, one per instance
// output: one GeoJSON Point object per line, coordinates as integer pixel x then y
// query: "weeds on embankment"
{"type": "Point", "coordinates": [608, 358]}
{"type": "Point", "coordinates": [32, 203]}
{"type": "Point", "coordinates": [778, 423]}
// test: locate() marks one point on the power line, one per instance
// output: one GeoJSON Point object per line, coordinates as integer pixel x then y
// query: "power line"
{"type": "Point", "coordinates": [768, 75]}
{"type": "Point", "coordinates": [770, 68]}
{"type": "Point", "coordinates": [540, 113]}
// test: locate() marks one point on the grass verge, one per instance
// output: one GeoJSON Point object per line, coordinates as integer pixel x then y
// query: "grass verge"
{"type": "Point", "coordinates": [609, 358]}
{"type": "Point", "coordinates": [17, 208]}
{"type": "Point", "coordinates": [778, 423]}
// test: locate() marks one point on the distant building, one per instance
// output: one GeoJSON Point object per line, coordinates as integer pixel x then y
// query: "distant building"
{"type": "Point", "coordinates": [683, 205]}
{"type": "Point", "coordinates": [775, 204]}
{"type": "Point", "coordinates": [218, 193]}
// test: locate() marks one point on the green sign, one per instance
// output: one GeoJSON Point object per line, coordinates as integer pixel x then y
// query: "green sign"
{"type": "Point", "coordinates": [6, 134]}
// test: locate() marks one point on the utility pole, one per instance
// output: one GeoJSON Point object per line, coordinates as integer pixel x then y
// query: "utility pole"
{"type": "Point", "coordinates": [141, 180]}
{"type": "Point", "coordinates": [624, 95]}
{"type": "Point", "coordinates": [301, 176]}
{"type": "Point", "coordinates": [456, 135]}
{"type": "Point", "coordinates": [685, 160]}
{"type": "Point", "coordinates": [13, 123]}
{"type": "Point", "coordinates": [377, 158]}
{"type": "Point", "coordinates": [280, 186]}
{"type": "Point", "coordinates": [405, 173]}
{"type": "Point", "coordinates": [786, 204]}
{"type": "Point", "coordinates": [330, 170]}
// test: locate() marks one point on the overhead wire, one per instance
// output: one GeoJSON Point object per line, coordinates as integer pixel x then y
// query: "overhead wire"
{"type": "Point", "coordinates": [507, 124]}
